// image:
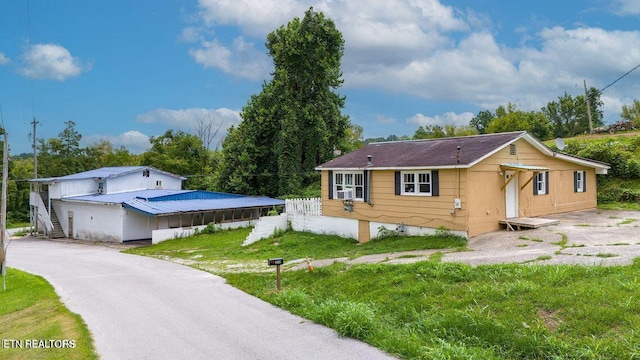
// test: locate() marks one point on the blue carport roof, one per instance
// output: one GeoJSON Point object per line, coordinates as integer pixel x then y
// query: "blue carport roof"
{"type": "Point", "coordinates": [168, 202]}
{"type": "Point", "coordinates": [188, 206]}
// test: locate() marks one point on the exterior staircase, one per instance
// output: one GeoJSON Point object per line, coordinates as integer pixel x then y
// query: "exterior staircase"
{"type": "Point", "coordinates": [57, 232]}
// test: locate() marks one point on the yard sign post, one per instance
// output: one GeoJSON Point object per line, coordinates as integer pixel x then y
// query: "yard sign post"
{"type": "Point", "coordinates": [277, 262]}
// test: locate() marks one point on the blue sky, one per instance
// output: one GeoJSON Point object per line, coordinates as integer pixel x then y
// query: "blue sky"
{"type": "Point", "coordinates": [126, 70]}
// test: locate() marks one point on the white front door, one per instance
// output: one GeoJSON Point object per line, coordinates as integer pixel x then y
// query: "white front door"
{"type": "Point", "coordinates": [511, 195]}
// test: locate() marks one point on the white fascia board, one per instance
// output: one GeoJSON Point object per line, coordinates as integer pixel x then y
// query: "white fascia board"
{"type": "Point", "coordinates": [398, 168]}
{"type": "Point", "coordinates": [601, 169]}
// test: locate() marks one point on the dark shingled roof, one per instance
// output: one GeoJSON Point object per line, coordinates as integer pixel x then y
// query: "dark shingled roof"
{"type": "Point", "coordinates": [427, 153]}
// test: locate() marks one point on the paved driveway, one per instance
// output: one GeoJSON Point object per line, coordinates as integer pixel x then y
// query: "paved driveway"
{"type": "Point", "coordinates": [144, 308]}
{"type": "Point", "coordinates": [591, 237]}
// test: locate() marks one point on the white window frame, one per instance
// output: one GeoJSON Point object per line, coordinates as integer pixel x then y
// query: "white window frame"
{"type": "Point", "coordinates": [541, 183]}
{"type": "Point", "coordinates": [580, 175]}
{"type": "Point", "coordinates": [416, 180]}
{"type": "Point", "coordinates": [343, 180]}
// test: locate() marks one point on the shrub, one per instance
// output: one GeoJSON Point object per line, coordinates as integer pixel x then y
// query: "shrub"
{"type": "Point", "coordinates": [383, 232]}
{"type": "Point", "coordinates": [210, 229]}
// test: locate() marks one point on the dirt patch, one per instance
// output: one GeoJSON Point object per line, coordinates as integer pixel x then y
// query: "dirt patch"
{"type": "Point", "coordinates": [549, 319]}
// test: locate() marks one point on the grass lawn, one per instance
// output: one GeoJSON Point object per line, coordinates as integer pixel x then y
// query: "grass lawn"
{"type": "Point", "coordinates": [204, 251]}
{"type": "Point", "coordinates": [30, 311]}
{"type": "Point", "coordinates": [433, 310]}
{"type": "Point", "coordinates": [11, 225]}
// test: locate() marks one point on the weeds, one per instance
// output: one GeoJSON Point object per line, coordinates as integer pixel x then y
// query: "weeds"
{"type": "Point", "coordinates": [626, 221]}
{"type": "Point", "coordinates": [431, 310]}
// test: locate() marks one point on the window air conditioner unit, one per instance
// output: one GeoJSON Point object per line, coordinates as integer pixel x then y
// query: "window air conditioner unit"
{"type": "Point", "coordinates": [346, 194]}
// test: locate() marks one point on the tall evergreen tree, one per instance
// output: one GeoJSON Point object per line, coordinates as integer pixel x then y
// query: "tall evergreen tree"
{"type": "Point", "coordinates": [295, 123]}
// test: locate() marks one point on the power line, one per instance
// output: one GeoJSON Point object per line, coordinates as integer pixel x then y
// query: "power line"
{"type": "Point", "coordinates": [620, 78]}
{"type": "Point", "coordinates": [599, 92]}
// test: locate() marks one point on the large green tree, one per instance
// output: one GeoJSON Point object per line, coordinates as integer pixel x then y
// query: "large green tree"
{"type": "Point", "coordinates": [179, 153]}
{"type": "Point", "coordinates": [62, 155]}
{"type": "Point", "coordinates": [509, 118]}
{"type": "Point", "coordinates": [481, 121]}
{"type": "Point", "coordinates": [103, 154]}
{"type": "Point", "coordinates": [631, 113]}
{"type": "Point", "coordinates": [295, 123]}
{"type": "Point", "coordinates": [569, 116]}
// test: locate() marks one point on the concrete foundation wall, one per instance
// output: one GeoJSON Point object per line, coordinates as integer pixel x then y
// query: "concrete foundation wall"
{"type": "Point", "coordinates": [327, 225]}
{"type": "Point", "coordinates": [375, 227]}
{"type": "Point", "coordinates": [158, 236]}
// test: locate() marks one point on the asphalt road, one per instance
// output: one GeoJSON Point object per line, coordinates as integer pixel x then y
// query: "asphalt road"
{"type": "Point", "coordinates": [144, 308]}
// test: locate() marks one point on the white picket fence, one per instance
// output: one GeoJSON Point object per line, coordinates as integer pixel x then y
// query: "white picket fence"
{"type": "Point", "coordinates": [308, 207]}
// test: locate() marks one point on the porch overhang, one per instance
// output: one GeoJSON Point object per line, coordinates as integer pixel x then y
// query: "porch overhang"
{"type": "Point", "coordinates": [520, 168]}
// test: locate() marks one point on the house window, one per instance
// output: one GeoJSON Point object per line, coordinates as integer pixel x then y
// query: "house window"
{"type": "Point", "coordinates": [512, 149]}
{"type": "Point", "coordinates": [541, 183]}
{"type": "Point", "coordinates": [579, 180]}
{"type": "Point", "coordinates": [158, 183]}
{"type": "Point", "coordinates": [100, 187]}
{"type": "Point", "coordinates": [416, 183]}
{"type": "Point", "coordinates": [349, 180]}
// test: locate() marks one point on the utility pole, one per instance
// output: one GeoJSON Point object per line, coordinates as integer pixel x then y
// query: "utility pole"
{"type": "Point", "coordinates": [586, 96]}
{"type": "Point", "coordinates": [34, 186]}
{"type": "Point", "coordinates": [35, 149]}
{"type": "Point", "coordinates": [3, 208]}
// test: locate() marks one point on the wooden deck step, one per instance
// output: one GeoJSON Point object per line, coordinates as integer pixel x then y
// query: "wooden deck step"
{"type": "Point", "coordinates": [527, 223]}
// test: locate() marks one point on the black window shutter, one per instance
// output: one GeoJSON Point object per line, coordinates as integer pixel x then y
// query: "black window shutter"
{"type": "Point", "coordinates": [398, 185]}
{"type": "Point", "coordinates": [547, 184]}
{"type": "Point", "coordinates": [435, 183]}
{"type": "Point", "coordinates": [330, 184]}
{"type": "Point", "coordinates": [575, 181]}
{"type": "Point", "coordinates": [367, 181]}
{"type": "Point", "coordinates": [535, 184]}
{"type": "Point", "coordinates": [584, 181]}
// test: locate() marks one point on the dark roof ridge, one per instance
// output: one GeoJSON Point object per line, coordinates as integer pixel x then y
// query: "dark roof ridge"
{"type": "Point", "coordinates": [448, 138]}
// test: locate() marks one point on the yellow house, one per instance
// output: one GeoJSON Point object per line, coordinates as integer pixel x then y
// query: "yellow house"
{"type": "Point", "coordinates": [468, 185]}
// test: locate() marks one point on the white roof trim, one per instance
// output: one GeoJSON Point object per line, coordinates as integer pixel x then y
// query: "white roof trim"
{"type": "Point", "coordinates": [425, 167]}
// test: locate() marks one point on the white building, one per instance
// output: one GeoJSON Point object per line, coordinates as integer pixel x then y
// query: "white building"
{"type": "Point", "coordinates": [118, 204]}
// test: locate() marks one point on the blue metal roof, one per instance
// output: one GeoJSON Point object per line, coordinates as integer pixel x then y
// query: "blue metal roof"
{"type": "Point", "coordinates": [196, 195]}
{"type": "Point", "coordinates": [166, 202]}
{"type": "Point", "coordinates": [105, 172]}
{"type": "Point", "coordinates": [188, 206]}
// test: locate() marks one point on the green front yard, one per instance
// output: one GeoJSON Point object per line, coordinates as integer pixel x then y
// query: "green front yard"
{"type": "Point", "coordinates": [34, 324]}
{"type": "Point", "coordinates": [433, 310]}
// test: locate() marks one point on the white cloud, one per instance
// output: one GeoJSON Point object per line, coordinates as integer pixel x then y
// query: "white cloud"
{"type": "Point", "coordinates": [241, 59]}
{"type": "Point", "coordinates": [188, 119]}
{"type": "Point", "coordinates": [434, 51]}
{"type": "Point", "coordinates": [255, 17]}
{"type": "Point", "coordinates": [381, 119]}
{"type": "Point", "coordinates": [133, 140]}
{"type": "Point", "coordinates": [190, 34]}
{"type": "Point", "coordinates": [51, 61]}
{"type": "Point", "coordinates": [3, 59]}
{"type": "Point", "coordinates": [448, 118]}
{"type": "Point", "coordinates": [626, 7]}
{"type": "Point", "coordinates": [402, 29]}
